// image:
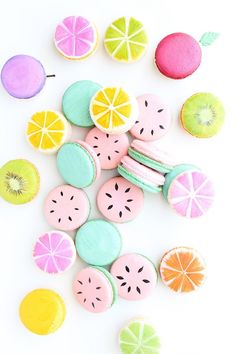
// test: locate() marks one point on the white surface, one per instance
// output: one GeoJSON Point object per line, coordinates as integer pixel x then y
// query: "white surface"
{"type": "Point", "coordinates": [191, 324]}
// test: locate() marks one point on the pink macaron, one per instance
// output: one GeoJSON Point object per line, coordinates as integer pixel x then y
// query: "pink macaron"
{"type": "Point", "coordinates": [154, 118]}
{"type": "Point", "coordinates": [119, 200]}
{"type": "Point", "coordinates": [108, 148]}
{"type": "Point", "coordinates": [178, 55]}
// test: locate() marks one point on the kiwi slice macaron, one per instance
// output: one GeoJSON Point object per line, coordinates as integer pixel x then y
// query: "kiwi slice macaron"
{"type": "Point", "coordinates": [19, 181]}
{"type": "Point", "coordinates": [202, 115]}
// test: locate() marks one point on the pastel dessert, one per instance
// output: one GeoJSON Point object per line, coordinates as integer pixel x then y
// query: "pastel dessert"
{"type": "Point", "coordinates": [178, 55]}
{"type": "Point", "coordinates": [42, 311]}
{"type": "Point", "coordinates": [119, 200]}
{"type": "Point", "coordinates": [66, 208]}
{"type": "Point", "coordinates": [202, 115]}
{"type": "Point", "coordinates": [140, 175]}
{"type": "Point", "coordinates": [47, 131]}
{"type": "Point", "coordinates": [109, 148]}
{"type": "Point", "coordinates": [139, 336]}
{"type": "Point", "coordinates": [189, 191]}
{"type": "Point", "coordinates": [78, 164]}
{"type": "Point", "coordinates": [135, 276]}
{"type": "Point", "coordinates": [126, 40]}
{"type": "Point", "coordinates": [98, 242]}
{"type": "Point", "coordinates": [182, 269]}
{"type": "Point", "coordinates": [23, 76]}
{"type": "Point", "coordinates": [54, 252]}
{"type": "Point", "coordinates": [19, 181]}
{"type": "Point", "coordinates": [113, 110]}
{"type": "Point", "coordinates": [76, 101]}
{"type": "Point", "coordinates": [149, 155]}
{"type": "Point", "coordinates": [95, 289]}
{"type": "Point", "coordinates": [154, 119]}
{"type": "Point", "coordinates": [76, 37]}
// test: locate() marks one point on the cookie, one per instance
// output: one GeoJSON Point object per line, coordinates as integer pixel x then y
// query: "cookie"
{"type": "Point", "coordinates": [78, 164]}
{"type": "Point", "coordinates": [119, 200]}
{"type": "Point", "coordinates": [154, 119]}
{"type": "Point", "coordinates": [178, 55]}
{"type": "Point", "coordinates": [109, 148]}
{"type": "Point", "coordinates": [182, 269]}
{"type": "Point", "coordinates": [141, 176]}
{"type": "Point", "coordinates": [98, 242]}
{"type": "Point", "coordinates": [135, 276]}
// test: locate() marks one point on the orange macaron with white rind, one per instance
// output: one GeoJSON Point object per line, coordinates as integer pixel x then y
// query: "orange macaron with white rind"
{"type": "Point", "coordinates": [113, 110]}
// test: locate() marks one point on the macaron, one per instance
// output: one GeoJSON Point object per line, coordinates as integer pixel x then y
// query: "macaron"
{"type": "Point", "coordinates": [113, 110]}
{"type": "Point", "coordinates": [42, 311]}
{"type": "Point", "coordinates": [98, 242]}
{"type": "Point", "coordinates": [76, 101]}
{"type": "Point", "coordinates": [141, 176]}
{"type": "Point", "coordinates": [66, 207]}
{"type": "Point", "coordinates": [188, 191]}
{"type": "Point", "coordinates": [109, 148]}
{"type": "Point", "coordinates": [135, 276]}
{"type": "Point", "coordinates": [182, 269]}
{"type": "Point", "coordinates": [119, 200]}
{"type": "Point", "coordinates": [178, 55]}
{"type": "Point", "coordinates": [154, 119]}
{"type": "Point", "coordinates": [54, 252]}
{"type": "Point", "coordinates": [149, 155]}
{"type": "Point", "coordinates": [78, 164]}
{"type": "Point", "coordinates": [202, 115]}
{"type": "Point", "coordinates": [47, 131]}
{"type": "Point", "coordinates": [23, 76]}
{"type": "Point", "coordinates": [76, 37]}
{"type": "Point", "coordinates": [95, 289]}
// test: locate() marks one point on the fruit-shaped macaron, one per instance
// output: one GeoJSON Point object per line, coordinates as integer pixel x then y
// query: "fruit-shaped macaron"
{"type": "Point", "coordinates": [47, 130]}
{"type": "Point", "coordinates": [76, 37]}
{"type": "Point", "coordinates": [95, 289]}
{"type": "Point", "coordinates": [23, 76]}
{"type": "Point", "coordinates": [113, 110]}
{"type": "Point", "coordinates": [202, 115]}
{"type": "Point", "coordinates": [126, 39]}
{"type": "Point", "coordinates": [178, 55]}
{"type": "Point", "coordinates": [19, 181]}
{"type": "Point", "coordinates": [42, 311]}
{"type": "Point", "coordinates": [182, 269]}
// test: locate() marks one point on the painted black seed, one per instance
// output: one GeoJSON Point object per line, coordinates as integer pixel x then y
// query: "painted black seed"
{"type": "Point", "coordinates": [129, 289]}
{"type": "Point", "coordinates": [116, 141]}
{"type": "Point", "coordinates": [117, 151]}
{"type": "Point", "coordinates": [161, 126]}
{"type": "Point", "coordinates": [110, 206]}
{"type": "Point", "coordinates": [116, 187]}
{"type": "Point", "coordinates": [146, 103]}
{"type": "Point", "coordinates": [72, 197]}
{"type": "Point", "coordinates": [160, 110]}
{"type": "Point", "coordinates": [141, 131]}
{"type": "Point", "coordinates": [95, 146]}
{"type": "Point", "coordinates": [138, 290]}
{"type": "Point", "coordinates": [89, 279]}
{"type": "Point", "coordinates": [98, 154]}
{"type": "Point", "coordinates": [80, 282]}
{"type": "Point", "coordinates": [54, 201]}
{"type": "Point", "coordinates": [97, 298]}
{"type": "Point", "coordinates": [127, 208]}
{"type": "Point", "coordinates": [98, 287]}
{"type": "Point", "coordinates": [93, 305]}
{"type": "Point", "coordinates": [59, 220]}
{"type": "Point", "coordinates": [123, 284]}
{"type": "Point", "coordinates": [120, 214]}
{"type": "Point", "coordinates": [140, 270]}
{"type": "Point", "coordinates": [108, 195]}
{"type": "Point", "coordinates": [129, 200]}
{"type": "Point", "coordinates": [109, 158]}
{"type": "Point", "coordinates": [85, 300]}
{"type": "Point", "coordinates": [52, 211]}
{"type": "Point", "coordinates": [107, 135]}
{"type": "Point", "coordinates": [146, 281]}
{"type": "Point", "coordinates": [127, 190]}
{"type": "Point", "coordinates": [70, 218]}
{"type": "Point", "coordinates": [79, 292]}
{"type": "Point", "coordinates": [119, 277]}
{"type": "Point", "coordinates": [152, 131]}
{"type": "Point", "coordinates": [61, 193]}
{"type": "Point", "coordinates": [137, 121]}
{"type": "Point", "coordinates": [76, 208]}
{"type": "Point", "coordinates": [96, 137]}
{"type": "Point", "coordinates": [127, 269]}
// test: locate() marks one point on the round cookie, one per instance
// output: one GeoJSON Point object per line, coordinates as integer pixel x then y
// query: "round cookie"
{"type": "Point", "coordinates": [66, 207]}
{"type": "Point", "coordinates": [126, 40]}
{"type": "Point", "coordinates": [54, 252]}
{"type": "Point", "coordinates": [76, 38]}
{"type": "Point", "coordinates": [19, 181]}
{"type": "Point", "coordinates": [109, 148]}
{"type": "Point", "coordinates": [154, 118]}
{"type": "Point", "coordinates": [119, 200]}
{"type": "Point", "coordinates": [202, 115]}
{"type": "Point", "coordinates": [178, 55]}
{"type": "Point", "coordinates": [135, 276]}
{"type": "Point", "coordinates": [76, 101]}
{"type": "Point", "coordinates": [94, 289]}
{"type": "Point", "coordinates": [182, 269]}
{"type": "Point", "coordinates": [23, 76]}
{"type": "Point", "coordinates": [113, 110]}
{"type": "Point", "coordinates": [78, 164]}
{"type": "Point", "coordinates": [42, 311]}
{"type": "Point", "coordinates": [98, 242]}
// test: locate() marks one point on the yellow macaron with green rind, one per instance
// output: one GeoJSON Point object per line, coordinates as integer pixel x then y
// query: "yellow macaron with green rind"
{"type": "Point", "coordinates": [202, 115]}
{"type": "Point", "coordinates": [126, 39]}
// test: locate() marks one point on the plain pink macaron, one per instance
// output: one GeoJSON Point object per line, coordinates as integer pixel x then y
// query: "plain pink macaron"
{"type": "Point", "coordinates": [178, 55]}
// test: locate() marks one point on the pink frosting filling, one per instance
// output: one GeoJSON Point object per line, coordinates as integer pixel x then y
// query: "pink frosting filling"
{"type": "Point", "coordinates": [150, 150]}
{"type": "Point", "coordinates": [93, 155]}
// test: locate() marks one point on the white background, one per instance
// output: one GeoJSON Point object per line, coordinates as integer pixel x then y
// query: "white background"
{"type": "Point", "coordinates": [201, 322]}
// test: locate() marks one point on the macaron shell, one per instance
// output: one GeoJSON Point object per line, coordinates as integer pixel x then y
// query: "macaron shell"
{"type": "Point", "coordinates": [119, 200]}
{"type": "Point", "coordinates": [151, 150]}
{"type": "Point", "coordinates": [66, 207]}
{"type": "Point", "coordinates": [109, 148]}
{"type": "Point", "coordinates": [92, 153]}
{"type": "Point", "coordinates": [154, 119]}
